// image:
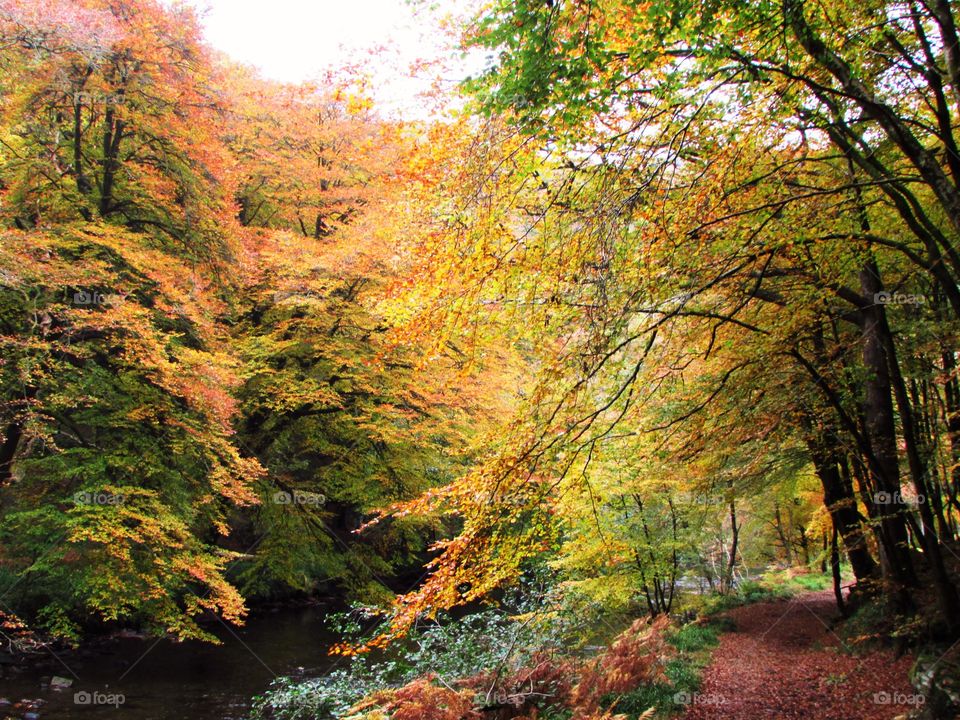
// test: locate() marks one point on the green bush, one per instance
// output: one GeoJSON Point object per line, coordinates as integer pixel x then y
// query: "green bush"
{"type": "Point", "coordinates": [530, 620]}
{"type": "Point", "coordinates": [450, 649]}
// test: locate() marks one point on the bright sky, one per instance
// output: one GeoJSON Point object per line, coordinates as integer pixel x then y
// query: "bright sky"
{"type": "Point", "coordinates": [295, 40]}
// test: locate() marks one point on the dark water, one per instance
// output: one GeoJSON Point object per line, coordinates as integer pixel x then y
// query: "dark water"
{"type": "Point", "coordinates": [178, 681]}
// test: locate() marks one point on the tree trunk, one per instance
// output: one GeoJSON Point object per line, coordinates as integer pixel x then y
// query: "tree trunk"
{"type": "Point", "coordinates": [784, 542]}
{"type": "Point", "coordinates": [8, 451]}
{"type": "Point", "coordinates": [947, 596]}
{"type": "Point", "coordinates": [734, 540]}
{"type": "Point", "coordinates": [840, 501]}
{"type": "Point", "coordinates": [112, 136]}
{"type": "Point", "coordinates": [881, 431]}
{"type": "Point", "coordinates": [835, 568]}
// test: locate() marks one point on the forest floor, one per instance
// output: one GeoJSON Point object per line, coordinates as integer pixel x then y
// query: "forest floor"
{"type": "Point", "coordinates": [784, 660]}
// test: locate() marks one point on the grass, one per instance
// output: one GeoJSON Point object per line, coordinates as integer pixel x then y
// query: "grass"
{"type": "Point", "coordinates": [795, 582]}
{"type": "Point", "coordinates": [695, 636]}
{"type": "Point", "coordinates": [777, 585]}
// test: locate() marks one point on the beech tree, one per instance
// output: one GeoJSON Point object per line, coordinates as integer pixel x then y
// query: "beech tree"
{"type": "Point", "coordinates": [702, 209]}
{"type": "Point", "coordinates": [192, 343]}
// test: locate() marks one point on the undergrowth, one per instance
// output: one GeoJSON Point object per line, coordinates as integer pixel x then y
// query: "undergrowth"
{"type": "Point", "coordinates": [521, 660]}
{"type": "Point", "coordinates": [692, 645]}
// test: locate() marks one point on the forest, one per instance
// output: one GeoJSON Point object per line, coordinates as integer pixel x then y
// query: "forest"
{"type": "Point", "coordinates": [620, 382]}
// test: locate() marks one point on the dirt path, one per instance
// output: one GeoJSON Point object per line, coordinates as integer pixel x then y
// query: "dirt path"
{"type": "Point", "coordinates": [784, 662]}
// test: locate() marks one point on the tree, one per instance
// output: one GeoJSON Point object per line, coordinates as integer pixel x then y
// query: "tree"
{"type": "Point", "coordinates": [719, 194]}
{"type": "Point", "coordinates": [200, 397]}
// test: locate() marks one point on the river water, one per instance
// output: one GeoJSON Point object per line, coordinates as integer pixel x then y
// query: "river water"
{"type": "Point", "coordinates": [177, 681]}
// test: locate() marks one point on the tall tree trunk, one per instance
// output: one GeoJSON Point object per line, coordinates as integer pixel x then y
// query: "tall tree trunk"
{"type": "Point", "coordinates": [835, 569]}
{"type": "Point", "coordinates": [881, 431]}
{"type": "Point", "coordinates": [839, 499]}
{"type": "Point", "coordinates": [952, 400]}
{"type": "Point", "coordinates": [674, 557]}
{"type": "Point", "coordinates": [734, 540]}
{"type": "Point", "coordinates": [947, 596]}
{"type": "Point", "coordinates": [951, 48]}
{"type": "Point", "coordinates": [112, 137]}
{"type": "Point", "coordinates": [8, 451]}
{"type": "Point", "coordinates": [784, 542]}
{"type": "Point", "coordinates": [804, 545]}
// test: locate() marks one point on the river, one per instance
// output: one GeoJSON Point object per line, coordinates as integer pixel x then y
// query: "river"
{"type": "Point", "coordinates": [177, 681]}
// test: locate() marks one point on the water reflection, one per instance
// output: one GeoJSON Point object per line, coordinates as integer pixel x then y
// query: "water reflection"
{"type": "Point", "coordinates": [177, 681]}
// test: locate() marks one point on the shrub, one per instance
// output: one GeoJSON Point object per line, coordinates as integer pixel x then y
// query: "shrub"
{"type": "Point", "coordinates": [422, 699]}
{"type": "Point", "coordinates": [632, 660]}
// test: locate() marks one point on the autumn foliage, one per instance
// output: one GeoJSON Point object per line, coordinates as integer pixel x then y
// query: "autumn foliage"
{"type": "Point", "coordinates": [550, 680]}
{"type": "Point", "coordinates": [671, 298]}
{"type": "Point", "coordinates": [191, 343]}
